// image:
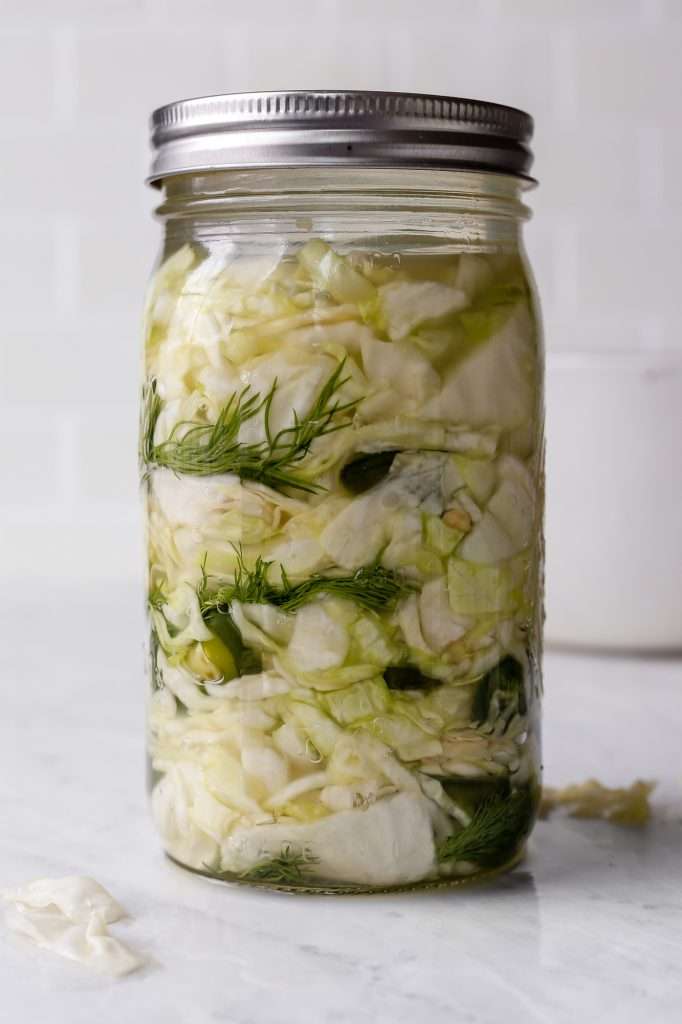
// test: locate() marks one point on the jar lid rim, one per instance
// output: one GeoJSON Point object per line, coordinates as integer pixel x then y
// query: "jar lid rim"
{"type": "Point", "coordinates": [333, 128]}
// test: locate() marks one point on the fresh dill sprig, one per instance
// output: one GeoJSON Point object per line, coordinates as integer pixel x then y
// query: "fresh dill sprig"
{"type": "Point", "coordinates": [371, 587]}
{"type": "Point", "coordinates": [290, 868]}
{"type": "Point", "coordinates": [497, 827]}
{"type": "Point", "coordinates": [250, 586]}
{"type": "Point", "coordinates": [207, 449]}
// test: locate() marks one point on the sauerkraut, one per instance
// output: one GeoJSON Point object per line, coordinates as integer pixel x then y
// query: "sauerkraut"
{"type": "Point", "coordinates": [342, 465]}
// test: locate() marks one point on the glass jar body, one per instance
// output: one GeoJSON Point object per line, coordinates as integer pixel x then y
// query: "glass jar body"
{"type": "Point", "coordinates": [342, 454]}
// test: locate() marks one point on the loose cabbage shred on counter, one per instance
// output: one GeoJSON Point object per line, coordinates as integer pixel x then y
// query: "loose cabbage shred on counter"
{"type": "Point", "coordinates": [70, 917]}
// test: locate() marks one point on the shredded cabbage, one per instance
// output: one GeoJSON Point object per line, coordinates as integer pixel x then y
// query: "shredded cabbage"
{"type": "Point", "coordinates": [337, 740]}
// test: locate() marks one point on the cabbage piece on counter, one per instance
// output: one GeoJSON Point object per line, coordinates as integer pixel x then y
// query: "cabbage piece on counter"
{"type": "Point", "coordinates": [70, 917]}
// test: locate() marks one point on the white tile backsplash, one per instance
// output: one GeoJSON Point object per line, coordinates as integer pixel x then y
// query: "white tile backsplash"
{"type": "Point", "coordinates": [93, 548]}
{"type": "Point", "coordinates": [124, 73]}
{"type": "Point", "coordinates": [105, 449]}
{"type": "Point", "coordinates": [74, 362]}
{"type": "Point", "coordinates": [581, 12]}
{"type": "Point", "coordinates": [595, 168]}
{"type": "Point", "coordinates": [632, 69]}
{"type": "Point", "coordinates": [625, 264]}
{"type": "Point", "coordinates": [325, 48]}
{"type": "Point", "coordinates": [28, 61]}
{"type": "Point", "coordinates": [115, 283]}
{"type": "Point", "coordinates": [77, 83]}
{"type": "Point", "coordinates": [30, 468]}
{"type": "Point", "coordinates": [28, 274]}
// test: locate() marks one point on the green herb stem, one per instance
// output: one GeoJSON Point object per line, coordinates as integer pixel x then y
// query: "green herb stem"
{"type": "Point", "coordinates": [207, 449]}
{"type": "Point", "coordinates": [494, 832]}
{"type": "Point", "coordinates": [373, 588]}
{"type": "Point", "coordinates": [290, 868]}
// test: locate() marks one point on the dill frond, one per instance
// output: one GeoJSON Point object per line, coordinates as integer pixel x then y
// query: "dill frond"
{"type": "Point", "coordinates": [497, 827]}
{"type": "Point", "coordinates": [200, 449]}
{"type": "Point", "coordinates": [373, 588]}
{"type": "Point", "coordinates": [290, 868]}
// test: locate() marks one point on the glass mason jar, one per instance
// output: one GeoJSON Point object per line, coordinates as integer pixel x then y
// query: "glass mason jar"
{"type": "Point", "coordinates": [342, 449]}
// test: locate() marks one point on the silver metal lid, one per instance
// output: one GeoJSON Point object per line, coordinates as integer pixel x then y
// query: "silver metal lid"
{"type": "Point", "coordinates": [317, 129]}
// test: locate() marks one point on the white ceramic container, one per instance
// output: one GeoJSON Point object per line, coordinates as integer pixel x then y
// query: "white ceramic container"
{"type": "Point", "coordinates": [614, 500]}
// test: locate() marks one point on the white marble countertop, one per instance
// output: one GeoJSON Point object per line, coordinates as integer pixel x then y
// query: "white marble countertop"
{"type": "Point", "coordinates": [589, 928]}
